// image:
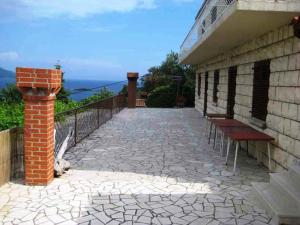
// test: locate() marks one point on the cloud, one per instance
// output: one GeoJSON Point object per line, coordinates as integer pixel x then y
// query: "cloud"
{"type": "Point", "coordinates": [183, 1]}
{"type": "Point", "coordinates": [9, 56]}
{"type": "Point", "coordinates": [71, 8]}
{"type": "Point", "coordinates": [103, 29]}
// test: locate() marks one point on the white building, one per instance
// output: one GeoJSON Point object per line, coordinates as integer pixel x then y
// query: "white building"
{"type": "Point", "coordinates": [247, 55]}
{"type": "Point", "coordinates": [248, 66]}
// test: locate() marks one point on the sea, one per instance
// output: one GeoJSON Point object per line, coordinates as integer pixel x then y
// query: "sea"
{"type": "Point", "coordinates": [81, 89]}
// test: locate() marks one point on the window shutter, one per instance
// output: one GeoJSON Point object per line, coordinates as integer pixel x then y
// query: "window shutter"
{"type": "Point", "coordinates": [260, 97]}
{"type": "Point", "coordinates": [216, 84]}
{"type": "Point", "coordinates": [213, 13]}
{"type": "Point", "coordinates": [232, 73]}
{"type": "Point", "coordinates": [199, 85]}
{"type": "Point", "coordinates": [205, 94]}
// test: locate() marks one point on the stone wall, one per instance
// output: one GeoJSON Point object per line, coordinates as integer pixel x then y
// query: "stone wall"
{"type": "Point", "coordinates": [283, 120]}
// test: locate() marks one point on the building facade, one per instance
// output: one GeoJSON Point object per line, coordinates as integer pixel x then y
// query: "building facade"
{"type": "Point", "coordinates": [247, 56]}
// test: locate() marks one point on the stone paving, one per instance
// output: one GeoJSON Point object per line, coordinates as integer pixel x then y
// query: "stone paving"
{"type": "Point", "coordinates": [145, 166]}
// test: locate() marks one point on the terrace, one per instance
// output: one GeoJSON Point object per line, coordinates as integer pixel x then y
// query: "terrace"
{"type": "Point", "coordinates": [144, 166]}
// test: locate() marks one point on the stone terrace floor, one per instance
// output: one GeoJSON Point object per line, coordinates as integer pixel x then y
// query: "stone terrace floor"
{"type": "Point", "coordinates": [145, 166]}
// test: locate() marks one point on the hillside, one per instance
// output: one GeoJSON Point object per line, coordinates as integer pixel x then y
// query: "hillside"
{"type": "Point", "coordinates": [6, 73]}
{"type": "Point", "coordinates": [6, 77]}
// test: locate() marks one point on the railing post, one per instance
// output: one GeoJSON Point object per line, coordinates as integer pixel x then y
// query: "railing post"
{"type": "Point", "coordinates": [111, 107]}
{"type": "Point", "coordinates": [98, 115]}
{"type": "Point", "coordinates": [132, 80]}
{"type": "Point", "coordinates": [75, 128]}
{"type": "Point", "coordinates": [124, 101]}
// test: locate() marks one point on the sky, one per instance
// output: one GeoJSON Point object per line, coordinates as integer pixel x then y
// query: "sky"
{"type": "Point", "coordinates": [93, 39]}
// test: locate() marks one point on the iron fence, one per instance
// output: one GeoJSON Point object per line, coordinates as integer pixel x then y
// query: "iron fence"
{"type": "Point", "coordinates": [74, 125]}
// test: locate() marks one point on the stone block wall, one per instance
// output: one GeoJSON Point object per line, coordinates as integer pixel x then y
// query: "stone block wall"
{"type": "Point", "coordinates": [283, 120]}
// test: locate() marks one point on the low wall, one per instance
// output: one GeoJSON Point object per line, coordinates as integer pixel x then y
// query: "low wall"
{"type": "Point", "coordinates": [11, 155]}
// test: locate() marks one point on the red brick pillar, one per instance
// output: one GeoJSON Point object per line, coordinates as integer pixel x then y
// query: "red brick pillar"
{"type": "Point", "coordinates": [39, 88]}
{"type": "Point", "coordinates": [132, 80]}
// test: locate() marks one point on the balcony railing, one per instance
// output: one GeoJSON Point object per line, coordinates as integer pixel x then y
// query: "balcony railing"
{"type": "Point", "coordinates": [210, 13]}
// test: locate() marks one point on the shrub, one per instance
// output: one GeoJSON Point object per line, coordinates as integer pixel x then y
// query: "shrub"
{"type": "Point", "coordinates": [12, 107]}
{"type": "Point", "coordinates": [61, 106]}
{"type": "Point", "coordinates": [162, 97]}
{"type": "Point", "coordinates": [10, 94]}
{"type": "Point", "coordinates": [102, 94]}
{"type": "Point", "coordinates": [11, 115]}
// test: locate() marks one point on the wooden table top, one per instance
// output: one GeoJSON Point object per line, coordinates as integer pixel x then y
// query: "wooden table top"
{"type": "Point", "coordinates": [239, 131]}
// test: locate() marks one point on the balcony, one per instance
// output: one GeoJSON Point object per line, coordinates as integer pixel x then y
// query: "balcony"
{"type": "Point", "coordinates": [224, 24]}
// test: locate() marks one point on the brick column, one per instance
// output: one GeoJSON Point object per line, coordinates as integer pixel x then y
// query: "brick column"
{"type": "Point", "coordinates": [39, 88]}
{"type": "Point", "coordinates": [132, 80]}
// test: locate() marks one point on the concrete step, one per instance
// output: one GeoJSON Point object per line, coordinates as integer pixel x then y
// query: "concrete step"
{"type": "Point", "coordinates": [286, 185]}
{"type": "Point", "coordinates": [294, 172]}
{"type": "Point", "coordinates": [282, 208]}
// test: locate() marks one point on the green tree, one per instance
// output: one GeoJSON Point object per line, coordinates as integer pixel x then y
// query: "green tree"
{"type": "Point", "coordinates": [10, 94]}
{"type": "Point", "coordinates": [102, 94]}
{"type": "Point", "coordinates": [11, 115]}
{"type": "Point", "coordinates": [162, 97]}
{"type": "Point", "coordinates": [124, 89]}
{"type": "Point", "coordinates": [63, 94]}
{"type": "Point", "coordinates": [163, 75]}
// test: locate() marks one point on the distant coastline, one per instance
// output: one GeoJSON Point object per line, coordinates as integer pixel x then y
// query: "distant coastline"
{"type": "Point", "coordinates": [81, 87]}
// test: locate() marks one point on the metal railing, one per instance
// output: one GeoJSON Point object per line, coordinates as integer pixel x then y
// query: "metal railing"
{"type": "Point", "coordinates": [210, 13]}
{"type": "Point", "coordinates": [75, 125]}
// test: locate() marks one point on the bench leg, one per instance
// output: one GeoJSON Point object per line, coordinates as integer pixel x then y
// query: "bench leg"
{"type": "Point", "coordinates": [247, 143]}
{"type": "Point", "coordinates": [209, 135]}
{"type": "Point", "coordinates": [206, 127]}
{"type": "Point", "coordinates": [215, 138]}
{"type": "Point", "coordinates": [222, 144]}
{"type": "Point", "coordinates": [235, 157]}
{"type": "Point", "coordinates": [269, 155]}
{"type": "Point", "coordinates": [228, 148]}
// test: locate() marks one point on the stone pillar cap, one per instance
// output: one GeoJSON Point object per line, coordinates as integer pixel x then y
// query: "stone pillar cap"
{"type": "Point", "coordinates": [132, 75]}
{"type": "Point", "coordinates": [38, 82]}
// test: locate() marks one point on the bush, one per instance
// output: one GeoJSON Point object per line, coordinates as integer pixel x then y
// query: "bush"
{"type": "Point", "coordinates": [12, 107]}
{"type": "Point", "coordinates": [62, 106]}
{"type": "Point", "coordinates": [163, 75]}
{"type": "Point", "coordinates": [162, 97]}
{"type": "Point", "coordinates": [102, 94]}
{"type": "Point", "coordinates": [10, 94]}
{"type": "Point", "coordinates": [11, 115]}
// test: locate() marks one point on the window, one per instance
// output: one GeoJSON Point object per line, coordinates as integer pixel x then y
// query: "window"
{"type": "Point", "coordinates": [213, 13]}
{"type": "Point", "coordinates": [216, 84]}
{"type": "Point", "coordinates": [203, 26]}
{"type": "Point", "coordinates": [199, 85]}
{"type": "Point", "coordinates": [260, 96]}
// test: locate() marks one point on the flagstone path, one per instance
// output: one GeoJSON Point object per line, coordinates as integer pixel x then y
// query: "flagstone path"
{"type": "Point", "coordinates": [145, 166]}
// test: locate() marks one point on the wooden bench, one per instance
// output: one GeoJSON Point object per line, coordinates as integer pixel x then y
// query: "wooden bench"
{"type": "Point", "coordinates": [210, 116]}
{"type": "Point", "coordinates": [237, 131]}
